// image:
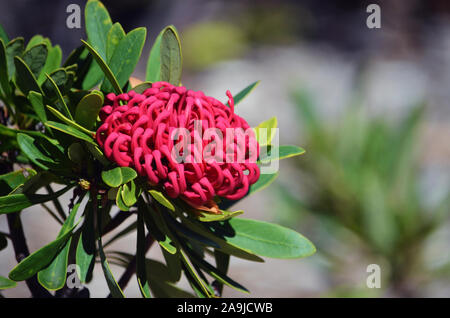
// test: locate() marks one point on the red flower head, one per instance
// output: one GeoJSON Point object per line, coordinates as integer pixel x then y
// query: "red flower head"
{"type": "Point", "coordinates": [138, 131]}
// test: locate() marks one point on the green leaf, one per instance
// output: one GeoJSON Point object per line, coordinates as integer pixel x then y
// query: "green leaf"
{"type": "Point", "coordinates": [263, 182]}
{"type": "Point", "coordinates": [98, 24]}
{"type": "Point", "coordinates": [113, 286]}
{"type": "Point", "coordinates": [126, 57]}
{"type": "Point", "coordinates": [118, 176]}
{"type": "Point", "coordinates": [191, 233]}
{"type": "Point", "coordinates": [265, 131]}
{"type": "Point", "coordinates": [211, 217]}
{"type": "Point", "coordinates": [85, 253]}
{"type": "Point", "coordinates": [69, 121]}
{"type": "Point", "coordinates": [141, 272]}
{"type": "Point", "coordinates": [242, 94]}
{"type": "Point", "coordinates": [224, 245]}
{"type": "Point", "coordinates": [6, 283]}
{"type": "Point", "coordinates": [53, 62]}
{"type": "Point", "coordinates": [267, 239]}
{"type": "Point", "coordinates": [35, 58]}
{"type": "Point", "coordinates": [53, 277]}
{"type": "Point", "coordinates": [214, 272]}
{"type": "Point", "coordinates": [165, 62]}
{"type": "Point", "coordinates": [222, 263]}
{"type": "Point", "coordinates": [14, 48]}
{"type": "Point", "coordinates": [25, 79]}
{"type": "Point", "coordinates": [17, 202]}
{"type": "Point", "coordinates": [29, 148]}
{"type": "Point", "coordinates": [69, 130]}
{"type": "Point", "coordinates": [115, 35]}
{"type": "Point", "coordinates": [130, 193]}
{"type": "Point", "coordinates": [41, 258]}
{"type": "Point", "coordinates": [65, 109]}
{"type": "Point", "coordinates": [142, 87]}
{"type": "Point", "coordinates": [3, 35]}
{"type": "Point", "coordinates": [156, 225]}
{"type": "Point", "coordinates": [282, 152]}
{"type": "Point", "coordinates": [105, 68]}
{"type": "Point", "coordinates": [37, 102]}
{"type": "Point", "coordinates": [158, 196]}
{"type": "Point", "coordinates": [88, 109]}
{"type": "Point", "coordinates": [36, 39]}
{"type": "Point", "coordinates": [171, 60]}
{"type": "Point", "coordinates": [189, 269]}
{"type": "Point", "coordinates": [119, 201]}
{"type": "Point", "coordinates": [12, 180]}
{"type": "Point", "coordinates": [4, 70]}
{"type": "Point", "coordinates": [60, 78]}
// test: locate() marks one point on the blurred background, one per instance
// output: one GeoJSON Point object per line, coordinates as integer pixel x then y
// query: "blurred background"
{"type": "Point", "coordinates": [370, 106]}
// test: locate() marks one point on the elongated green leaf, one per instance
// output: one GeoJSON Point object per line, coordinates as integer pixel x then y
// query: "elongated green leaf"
{"type": "Point", "coordinates": [69, 130]}
{"type": "Point", "coordinates": [4, 70]}
{"type": "Point", "coordinates": [98, 24]}
{"type": "Point", "coordinates": [130, 193]}
{"type": "Point", "coordinates": [113, 286]}
{"type": "Point", "coordinates": [6, 283]}
{"type": "Point", "coordinates": [282, 152]}
{"type": "Point", "coordinates": [3, 35]}
{"type": "Point", "coordinates": [263, 182]}
{"type": "Point", "coordinates": [141, 272]}
{"type": "Point", "coordinates": [119, 200]}
{"type": "Point", "coordinates": [173, 263]}
{"type": "Point", "coordinates": [13, 48]}
{"type": "Point", "coordinates": [37, 102]}
{"type": "Point", "coordinates": [190, 233]}
{"type": "Point", "coordinates": [60, 78]}
{"type": "Point", "coordinates": [17, 202]}
{"type": "Point", "coordinates": [65, 109]}
{"type": "Point", "coordinates": [53, 277]}
{"type": "Point", "coordinates": [69, 121]}
{"type": "Point", "coordinates": [171, 60]}
{"type": "Point", "coordinates": [211, 217]}
{"type": "Point", "coordinates": [85, 253]}
{"type": "Point", "coordinates": [105, 68]}
{"type": "Point", "coordinates": [25, 79]}
{"type": "Point", "coordinates": [36, 39]}
{"type": "Point", "coordinates": [12, 180]}
{"type": "Point", "coordinates": [165, 62]}
{"type": "Point", "coordinates": [35, 58]}
{"type": "Point", "coordinates": [267, 239]}
{"type": "Point", "coordinates": [125, 57]}
{"type": "Point", "coordinates": [158, 196]}
{"type": "Point", "coordinates": [87, 110]}
{"type": "Point", "coordinates": [214, 272]}
{"type": "Point", "coordinates": [225, 246]}
{"type": "Point", "coordinates": [41, 258]}
{"type": "Point", "coordinates": [189, 270]}
{"type": "Point", "coordinates": [27, 145]}
{"type": "Point", "coordinates": [115, 35]}
{"type": "Point", "coordinates": [53, 61]}
{"type": "Point", "coordinates": [242, 94]}
{"type": "Point", "coordinates": [156, 225]}
{"type": "Point", "coordinates": [118, 176]}
{"type": "Point", "coordinates": [153, 71]}
{"type": "Point", "coordinates": [265, 131]}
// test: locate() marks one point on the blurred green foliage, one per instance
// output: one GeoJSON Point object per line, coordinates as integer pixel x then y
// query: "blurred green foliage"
{"type": "Point", "coordinates": [361, 180]}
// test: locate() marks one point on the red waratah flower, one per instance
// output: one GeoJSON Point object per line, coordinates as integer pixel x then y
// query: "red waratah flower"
{"type": "Point", "coordinates": [137, 131]}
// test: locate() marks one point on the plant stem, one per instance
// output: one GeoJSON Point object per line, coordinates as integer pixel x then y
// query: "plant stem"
{"type": "Point", "coordinates": [21, 251]}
